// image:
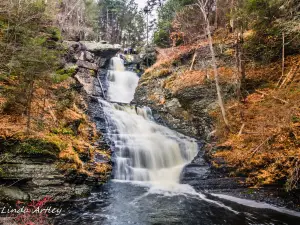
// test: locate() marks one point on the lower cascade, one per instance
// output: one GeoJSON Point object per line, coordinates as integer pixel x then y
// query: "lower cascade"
{"type": "Point", "coordinates": [144, 150]}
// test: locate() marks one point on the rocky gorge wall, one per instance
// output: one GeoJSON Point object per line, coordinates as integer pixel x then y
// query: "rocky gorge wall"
{"type": "Point", "coordinates": [29, 173]}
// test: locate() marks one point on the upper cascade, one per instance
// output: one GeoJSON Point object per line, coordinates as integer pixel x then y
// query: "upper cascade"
{"type": "Point", "coordinates": [122, 83]}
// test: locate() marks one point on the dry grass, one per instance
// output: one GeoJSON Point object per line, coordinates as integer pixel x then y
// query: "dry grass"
{"type": "Point", "coordinates": [169, 55]}
{"type": "Point", "coordinates": [103, 168]}
{"type": "Point", "coordinates": [199, 77]}
{"type": "Point", "coordinates": [180, 76]}
{"type": "Point", "coordinates": [70, 156]}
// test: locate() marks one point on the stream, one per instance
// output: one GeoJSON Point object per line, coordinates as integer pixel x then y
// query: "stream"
{"type": "Point", "coordinates": [148, 161]}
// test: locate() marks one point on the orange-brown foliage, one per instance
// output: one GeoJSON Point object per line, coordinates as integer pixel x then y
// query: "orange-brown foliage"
{"type": "Point", "coordinates": [268, 148]}
{"type": "Point", "coordinates": [169, 55]}
{"type": "Point", "coordinates": [193, 78]}
{"type": "Point", "coordinates": [50, 125]}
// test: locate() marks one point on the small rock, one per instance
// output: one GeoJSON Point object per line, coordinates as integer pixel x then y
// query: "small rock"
{"type": "Point", "coordinates": [12, 194]}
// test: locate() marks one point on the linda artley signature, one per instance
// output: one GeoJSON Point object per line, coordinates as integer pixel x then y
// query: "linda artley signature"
{"type": "Point", "coordinates": [25, 210]}
{"type": "Point", "coordinates": [33, 213]}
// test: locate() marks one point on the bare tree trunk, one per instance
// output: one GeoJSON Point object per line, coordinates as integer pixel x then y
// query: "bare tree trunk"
{"type": "Point", "coordinates": [240, 65]}
{"type": "Point", "coordinates": [44, 104]}
{"type": "Point", "coordinates": [216, 16]}
{"type": "Point", "coordinates": [214, 61]}
{"type": "Point", "coordinates": [242, 60]}
{"type": "Point", "coordinates": [107, 18]}
{"type": "Point", "coordinates": [283, 54]}
{"type": "Point", "coordinates": [283, 59]}
{"type": "Point", "coordinates": [232, 24]}
{"type": "Point", "coordinates": [28, 108]}
{"type": "Point", "coordinates": [237, 65]}
{"type": "Point", "coordinates": [193, 61]}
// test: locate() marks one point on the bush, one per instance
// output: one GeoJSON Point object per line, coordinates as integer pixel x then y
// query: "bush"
{"type": "Point", "coordinates": [55, 33]}
{"type": "Point", "coordinates": [264, 48]}
{"type": "Point", "coordinates": [63, 74]}
{"type": "Point", "coordinates": [162, 37]}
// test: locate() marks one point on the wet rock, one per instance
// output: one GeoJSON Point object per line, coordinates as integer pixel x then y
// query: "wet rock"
{"type": "Point", "coordinates": [88, 56]}
{"type": "Point", "coordinates": [148, 56]}
{"type": "Point", "coordinates": [102, 62]}
{"type": "Point", "coordinates": [87, 65]}
{"type": "Point", "coordinates": [85, 78]}
{"type": "Point", "coordinates": [34, 178]}
{"type": "Point", "coordinates": [82, 190]}
{"type": "Point", "coordinates": [173, 105]}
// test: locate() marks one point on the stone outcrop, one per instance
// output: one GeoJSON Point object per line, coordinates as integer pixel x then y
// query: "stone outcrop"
{"type": "Point", "coordinates": [101, 49]}
{"type": "Point", "coordinates": [148, 56]}
{"type": "Point", "coordinates": [90, 58]}
{"type": "Point", "coordinates": [32, 175]}
{"type": "Point", "coordinates": [185, 109]}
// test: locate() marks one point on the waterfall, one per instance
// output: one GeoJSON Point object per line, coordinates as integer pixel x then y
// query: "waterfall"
{"type": "Point", "coordinates": [144, 150]}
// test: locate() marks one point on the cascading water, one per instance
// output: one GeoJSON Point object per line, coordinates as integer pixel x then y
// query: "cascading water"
{"type": "Point", "coordinates": [145, 151]}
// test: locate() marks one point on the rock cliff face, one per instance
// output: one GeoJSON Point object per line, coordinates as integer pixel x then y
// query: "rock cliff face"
{"type": "Point", "coordinates": [181, 106]}
{"type": "Point", "coordinates": [32, 173]}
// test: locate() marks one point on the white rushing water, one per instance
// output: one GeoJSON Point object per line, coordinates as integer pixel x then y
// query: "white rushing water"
{"type": "Point", "coordinates": [122, 83]}
{"type": "Point", "coordinates": [145, 151]}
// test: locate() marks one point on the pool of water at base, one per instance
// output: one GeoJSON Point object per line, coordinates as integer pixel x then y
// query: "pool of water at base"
{"type": "Point", "coordinates": [120, 203]}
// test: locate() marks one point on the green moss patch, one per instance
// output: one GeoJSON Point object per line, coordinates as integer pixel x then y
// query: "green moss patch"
{"type": "Point", "coordinates": [35, 147]}
{"type": "Point", "coordinates": [64, 131]}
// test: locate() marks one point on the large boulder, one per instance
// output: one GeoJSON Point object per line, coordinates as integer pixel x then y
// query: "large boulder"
{"type": "Point", "coordinates": [101, 49]}
{"type": "Point", "coordinates": [90, 54]}
{"type": "Point", "coordinates": [89, 58]}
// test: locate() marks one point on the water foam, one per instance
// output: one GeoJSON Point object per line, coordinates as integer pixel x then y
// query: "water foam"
{"type": "Point", "coordinates": [257, 205]}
